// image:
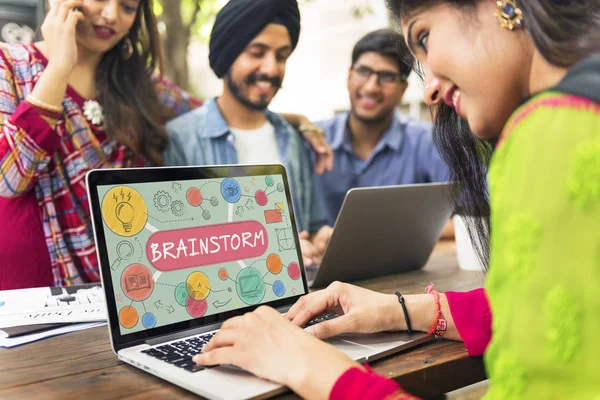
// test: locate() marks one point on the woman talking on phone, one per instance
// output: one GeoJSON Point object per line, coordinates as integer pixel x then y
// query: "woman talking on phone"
{"type": "Point", "coordinates": [85, 97]}
{"type": "Point", "coordinates": [90, 95]}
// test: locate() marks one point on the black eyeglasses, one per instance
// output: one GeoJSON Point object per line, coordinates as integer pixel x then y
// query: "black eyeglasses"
{"type": "Point", "coordinates": [361, 74]}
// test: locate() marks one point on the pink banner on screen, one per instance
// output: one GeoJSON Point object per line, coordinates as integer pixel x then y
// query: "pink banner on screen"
{"type": "Point", "coordinates": [206, 245]}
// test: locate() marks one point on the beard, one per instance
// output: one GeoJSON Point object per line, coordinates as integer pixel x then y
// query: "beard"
{"type": "Point", "coordinates": [236, 90]}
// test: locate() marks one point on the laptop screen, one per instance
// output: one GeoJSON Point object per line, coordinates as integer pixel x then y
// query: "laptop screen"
{"type": "Point", "coordinates": [181, 250]}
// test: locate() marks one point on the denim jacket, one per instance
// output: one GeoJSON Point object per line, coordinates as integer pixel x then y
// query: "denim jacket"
{"type": "Point", "coordinates": [202, 137]}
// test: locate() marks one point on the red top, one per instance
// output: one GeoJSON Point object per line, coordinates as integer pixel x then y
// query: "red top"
{"type": "Point", "coordinates": [45, 230]}
{"type": "Point", "coordinates": [473, 320]}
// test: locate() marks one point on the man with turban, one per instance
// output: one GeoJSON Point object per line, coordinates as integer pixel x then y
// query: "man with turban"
{"type": "Point", "coordinates": [250, 44]}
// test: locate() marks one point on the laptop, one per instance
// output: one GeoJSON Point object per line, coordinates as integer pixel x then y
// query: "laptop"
{"type": "Point", "coordinates": [384, 230]}
{"type": "Point", "coordinates": [183, 249]}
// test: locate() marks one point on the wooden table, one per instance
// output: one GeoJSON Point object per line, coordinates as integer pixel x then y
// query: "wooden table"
{"type": "Point", "coordinates": [82, 365]}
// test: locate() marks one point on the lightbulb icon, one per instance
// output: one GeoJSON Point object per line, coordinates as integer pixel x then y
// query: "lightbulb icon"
{"type": "Point", "coordinates": [125, 214]}
{"type": "Point", "coordinates": [124, 211]}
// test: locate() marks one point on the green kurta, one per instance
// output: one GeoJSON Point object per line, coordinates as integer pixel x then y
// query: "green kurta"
{"type": "Point", "coordinates": [544, 280]}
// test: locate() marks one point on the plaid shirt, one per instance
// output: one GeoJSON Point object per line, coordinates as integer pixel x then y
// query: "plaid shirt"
{"type": "Point", "coordinates": [51, 154]}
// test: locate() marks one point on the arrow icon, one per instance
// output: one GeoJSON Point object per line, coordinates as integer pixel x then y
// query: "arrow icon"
{"type": "Point", "coordinates": [170, 309]}
{"type": "Point", "coordinates": [158, 304]}
{"type": "Point", "coordinates": [219, 304]}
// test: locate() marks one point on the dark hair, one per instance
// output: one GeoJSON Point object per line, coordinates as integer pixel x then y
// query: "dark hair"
{"type": "Point", "coordinates": [127, 93]}
{"type": "Point", "coordinates": [388, 43]}
{"type": "Point", "coordinates": [564, 33]}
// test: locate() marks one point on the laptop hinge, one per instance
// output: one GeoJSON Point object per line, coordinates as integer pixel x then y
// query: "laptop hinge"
{"type": "Point", "coordinates": [196, 331]}
{"type": "Point", "coordinates": [283, 309]}
{"type": "Point", "coordinates": [182, 334]}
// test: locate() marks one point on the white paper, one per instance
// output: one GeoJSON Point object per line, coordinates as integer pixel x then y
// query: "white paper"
{"type": "Point", "coordinates": [51, 305]}
{"type": "Point", "coordinates": [19, 340]}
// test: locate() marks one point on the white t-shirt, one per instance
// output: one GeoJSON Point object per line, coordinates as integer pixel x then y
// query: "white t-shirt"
{"type": "Point", "coordinates": [256, 146]}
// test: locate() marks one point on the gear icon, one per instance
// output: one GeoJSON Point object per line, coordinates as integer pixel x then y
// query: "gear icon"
{"type": "Point", "coordinates": [177, 208]}
{"type": "Point", "coordinates": [162, 201]}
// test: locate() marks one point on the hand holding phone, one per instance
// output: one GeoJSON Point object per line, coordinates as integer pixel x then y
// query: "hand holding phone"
{"type": "Point", "coordinates": [59, 32]}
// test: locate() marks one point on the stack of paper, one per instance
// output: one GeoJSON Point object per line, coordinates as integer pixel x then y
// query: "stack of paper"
{"type": "Point", "coordinates": [6, 341]}
{"type": "Point", "coordinates": [49, 311]}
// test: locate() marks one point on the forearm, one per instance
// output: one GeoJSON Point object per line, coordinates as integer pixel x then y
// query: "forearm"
{"type": "Point", "coordinates": [422, 311]}
{"type": "Point", "coordinates": [52, 86]}
{"type": "Point", "coordinates": [294, 120]}
{"type": "Point", "coordinates": [26, 142]}
{"type": "Point", "coordinates": [27, 136]}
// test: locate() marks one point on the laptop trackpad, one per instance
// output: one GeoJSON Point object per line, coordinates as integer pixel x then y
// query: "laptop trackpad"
{"type": "Point", "coordinates": [379, 341]}
{"type": "Point", "coordinates": [353, 350]}
{"type": "Point", "coordinates": [362, 347]}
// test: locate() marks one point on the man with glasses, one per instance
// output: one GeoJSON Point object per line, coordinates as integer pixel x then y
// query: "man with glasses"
{"type": "Point", "coordinates": [373, 144]}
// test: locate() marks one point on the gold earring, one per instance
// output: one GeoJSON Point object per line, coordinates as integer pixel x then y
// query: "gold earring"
{"type": "Point", "coordinates": [508, 14]}
{"type": "Point", "coordinates": [126, 49]}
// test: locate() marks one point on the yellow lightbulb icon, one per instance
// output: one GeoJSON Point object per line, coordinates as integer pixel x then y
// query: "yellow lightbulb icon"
{"type": "Point", "coordinates": [125, 214]}
{"type": "Point", "coordinates": [124, 211]}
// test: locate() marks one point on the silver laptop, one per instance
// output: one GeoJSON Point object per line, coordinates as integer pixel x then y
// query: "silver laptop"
{"type": "Point", "coordinates": [183, 249]}
{"type": "Point", "coordinates": [384, 230]}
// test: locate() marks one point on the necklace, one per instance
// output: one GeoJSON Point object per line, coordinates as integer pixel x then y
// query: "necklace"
{"type": "Point", "coordinates": [92, 110]}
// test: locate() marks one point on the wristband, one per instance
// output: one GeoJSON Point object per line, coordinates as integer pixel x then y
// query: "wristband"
{"type": "Point", "coordinates": [439, 325]}
{"type": "Point", "coordinates": [44, 106]}
{"type": "Point", "coordinates": [401, 300]}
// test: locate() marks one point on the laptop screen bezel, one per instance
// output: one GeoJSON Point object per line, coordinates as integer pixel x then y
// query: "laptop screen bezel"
{"type": "Point", "coordinates": [127, 176]}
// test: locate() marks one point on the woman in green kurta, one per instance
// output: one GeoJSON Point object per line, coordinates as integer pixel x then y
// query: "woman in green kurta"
{"type": "Point", "coordinates": [544, 279]}
{"type": "Point", "coordinates": [525, 77]}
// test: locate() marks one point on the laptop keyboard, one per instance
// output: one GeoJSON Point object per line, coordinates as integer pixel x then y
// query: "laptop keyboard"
{"type": "Point", "coordinates": [320, 319]}
{"type": "Point", "coordinates": [180, 353]}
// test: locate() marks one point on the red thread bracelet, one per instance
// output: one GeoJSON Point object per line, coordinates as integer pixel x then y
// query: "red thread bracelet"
{"type": "Point", "coordinates": [439, 325]}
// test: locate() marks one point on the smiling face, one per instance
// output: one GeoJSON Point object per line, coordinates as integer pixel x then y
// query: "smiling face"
{"type": "Point", "coordinates": [257, 73]}
{"type": "Point", "coordinates": [106, 23]}
{"type": "Point", "coordinates": [373, 97]}
{"type": "Point", "coordinates": [471, 63]}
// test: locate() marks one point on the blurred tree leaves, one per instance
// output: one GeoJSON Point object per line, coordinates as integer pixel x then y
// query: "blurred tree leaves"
{"type": "Point", "coordinates": [180, 20]}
